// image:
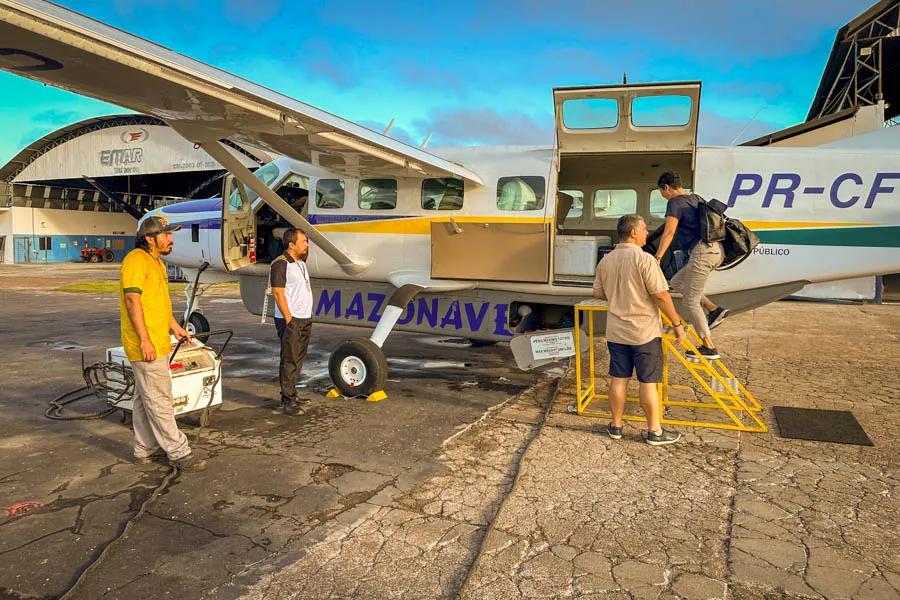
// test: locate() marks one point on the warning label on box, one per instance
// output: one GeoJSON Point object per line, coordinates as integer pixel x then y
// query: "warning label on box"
{"type": "Point", "coordinates": [553, 345]}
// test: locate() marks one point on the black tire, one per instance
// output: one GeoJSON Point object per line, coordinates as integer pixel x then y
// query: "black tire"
{"type": "Point", "coordinates": [95, 258]}
{"type": "Point", "coordinates": [196, 325]}
{"type": "Point", "coordinates": [108, 256]}
{"type": "Point", "coordinates": [357, 367]}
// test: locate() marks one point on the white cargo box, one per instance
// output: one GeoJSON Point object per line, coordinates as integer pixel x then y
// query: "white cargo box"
{"type": "Point", "coordinates": [577, 254]}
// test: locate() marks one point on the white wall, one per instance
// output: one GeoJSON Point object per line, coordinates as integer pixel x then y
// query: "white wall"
{"type": "Point", "coordinates": [52, 221]}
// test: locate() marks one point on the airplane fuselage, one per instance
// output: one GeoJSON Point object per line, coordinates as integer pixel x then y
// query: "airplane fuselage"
{"type": "Point", "coordinates": [821, 215]}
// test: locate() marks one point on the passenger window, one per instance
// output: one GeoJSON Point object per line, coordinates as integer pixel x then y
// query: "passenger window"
{"type": "Point", "coordinates": [577, 208]}
{"type": "Point", "coordinates": [378, 194]}
{"type": "Point", "coordinates": [329, 193]}
{"type": "Point", "coordinates": [442, 194]}
{"type": "Point", "coordinates": [661, 111]}
{"type": "Point", "coordinates": [590, 113]}
{"type": "Point", "coordinates": [612, 204]}
{"type": "Point", "coordinates": [520, 193]}
{"type": "Point", "coordinates": [658, 203]}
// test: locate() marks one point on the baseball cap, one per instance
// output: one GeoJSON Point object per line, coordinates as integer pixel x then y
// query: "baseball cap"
{"type": "Point", "coordinates": [154, 225]}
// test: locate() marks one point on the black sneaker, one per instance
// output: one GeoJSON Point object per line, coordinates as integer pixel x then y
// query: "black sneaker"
{"type": "Point", "coordinates": [705, 352]}
{"type": "Point", "coordinates": [613, 431]}
{"type": "Point", "coordinates": [715, 318]}
{"type": "Point", "coordinates": [291, 408]}
{"type": "Point", "coordinates": [189, 464]}
{"type": "Point", "coordinates": [662, 438]}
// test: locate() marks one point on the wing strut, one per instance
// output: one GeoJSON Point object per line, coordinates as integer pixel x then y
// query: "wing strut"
{"type": "Point", "coordinates": [243, 174]}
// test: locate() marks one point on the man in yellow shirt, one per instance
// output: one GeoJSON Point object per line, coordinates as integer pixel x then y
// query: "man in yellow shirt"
{"type": "Point", "coordinates": [146, 314]}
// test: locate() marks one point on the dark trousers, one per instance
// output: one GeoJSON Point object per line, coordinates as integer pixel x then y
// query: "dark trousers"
{"type": "Point", "coordinates": [294, 338]}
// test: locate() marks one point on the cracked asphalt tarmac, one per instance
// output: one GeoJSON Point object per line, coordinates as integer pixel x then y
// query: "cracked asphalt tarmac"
{"type": "Point", "coordinates": [457, 486]}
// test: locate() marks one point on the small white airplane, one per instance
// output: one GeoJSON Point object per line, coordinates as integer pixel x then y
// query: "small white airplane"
{"type": "Point", "coordinates": [470, 242]}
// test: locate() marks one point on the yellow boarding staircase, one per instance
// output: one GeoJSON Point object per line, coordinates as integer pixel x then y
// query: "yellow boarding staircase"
{"type": "Point", "coordinates": [723, 401]}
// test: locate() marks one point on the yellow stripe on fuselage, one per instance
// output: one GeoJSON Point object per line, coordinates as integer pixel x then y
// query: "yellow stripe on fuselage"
{"type": "Point", "coordinates": [417, 225]}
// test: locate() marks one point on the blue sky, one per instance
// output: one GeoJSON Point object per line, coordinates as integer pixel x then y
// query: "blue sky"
{"type": "Point", "coordinates": [474, 72]}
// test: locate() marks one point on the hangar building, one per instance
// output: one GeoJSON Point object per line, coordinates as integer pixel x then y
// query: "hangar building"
{"type": "Point", "coordinates": [49, 212]}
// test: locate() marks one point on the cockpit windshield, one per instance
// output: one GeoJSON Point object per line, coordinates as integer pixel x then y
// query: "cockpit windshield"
{"type": "Point", "coordinates": [266, 173]}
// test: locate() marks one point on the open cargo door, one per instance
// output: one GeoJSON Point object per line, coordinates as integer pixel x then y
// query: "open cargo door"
{"type": "Point", "coordinates": [512, 247]}
{"type": "Point", "coordinates": [652, 118]}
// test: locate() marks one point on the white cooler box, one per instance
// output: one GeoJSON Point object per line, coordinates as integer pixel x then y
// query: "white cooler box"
{"type": "Point", "coordinates": [577, 254]}
{"type": "Point", "coordinates": [195, 373]}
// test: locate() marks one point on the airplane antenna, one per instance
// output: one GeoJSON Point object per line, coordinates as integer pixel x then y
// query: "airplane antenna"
{"type": "Point", "coordinates": [387, 129]}
{"type": "Point", "coordinates": [744, 128]}
{"type": "Point", "coordinates": [426, 140]}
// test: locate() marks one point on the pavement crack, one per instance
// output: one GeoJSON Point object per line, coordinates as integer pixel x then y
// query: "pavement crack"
{"type": "Point", "coordinates": [210, 531]}
{"type": "Point", "coordinates": [6, 478]}
{"type": "Point", "coordinates": [37, 539]}
{"type": "Point", "coordinates": [123, 586]}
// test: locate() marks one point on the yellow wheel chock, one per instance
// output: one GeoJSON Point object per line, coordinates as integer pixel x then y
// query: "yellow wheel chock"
{"type": "Point", "coordinates": [373, 397]}
{"type": "Point", "coordinates": [725, 396]}
{"type": "Point", "coordinates": [376, 396]}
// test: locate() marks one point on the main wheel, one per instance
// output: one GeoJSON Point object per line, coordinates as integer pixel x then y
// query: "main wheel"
{"type": "Point", "coordinates": [196, 325]}
{"type": "Point", "coordinates": [108, 256]}
{"type": "Point", "coordinates": [358, 367]}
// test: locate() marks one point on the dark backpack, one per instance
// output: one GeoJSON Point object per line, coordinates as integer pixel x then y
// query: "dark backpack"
{"type": "Point", "coordinates": [738, 244]}
{"type": "Point", "coordinates": [738, 241]}
{"type": "Point", "coordinates": [712, 220]}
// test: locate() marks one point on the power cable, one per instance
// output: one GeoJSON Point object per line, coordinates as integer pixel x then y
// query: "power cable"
{"type": "Point", "coordinates": [97, 385]}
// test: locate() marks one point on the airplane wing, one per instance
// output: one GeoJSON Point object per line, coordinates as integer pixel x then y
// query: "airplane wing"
{"type": "Point", "coordinates": [48, 43]}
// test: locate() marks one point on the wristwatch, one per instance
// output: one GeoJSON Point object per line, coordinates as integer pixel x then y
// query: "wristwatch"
{"type": "Point", "coordinates": [678, 324]}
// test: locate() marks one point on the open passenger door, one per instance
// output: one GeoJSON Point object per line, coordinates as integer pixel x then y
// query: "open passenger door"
{"type": "Point", "coordinates": [657, 118]}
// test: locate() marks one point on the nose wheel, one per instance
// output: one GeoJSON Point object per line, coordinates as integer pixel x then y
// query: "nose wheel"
{"type": "Point", "coordinates": [358, 367]}
{"type": "Point", "coordinates": [197, 325]}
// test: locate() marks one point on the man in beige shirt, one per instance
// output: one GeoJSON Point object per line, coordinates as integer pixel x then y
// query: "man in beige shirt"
{"type": "Point", "coordinates": [635, 288]}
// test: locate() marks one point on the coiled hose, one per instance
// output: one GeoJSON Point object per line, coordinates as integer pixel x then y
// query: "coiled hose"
{"type": "Point", "coordinates": [99, 385]}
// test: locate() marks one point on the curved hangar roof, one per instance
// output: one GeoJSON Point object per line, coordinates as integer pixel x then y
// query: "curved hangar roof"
{"type": "Point", "coordinates": [115, 145]}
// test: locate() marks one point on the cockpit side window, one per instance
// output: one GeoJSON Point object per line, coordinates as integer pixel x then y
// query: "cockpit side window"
{"type": "Point", "coordinates": [266, 173]}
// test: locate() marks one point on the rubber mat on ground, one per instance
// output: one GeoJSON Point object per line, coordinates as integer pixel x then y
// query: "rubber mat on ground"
{"type": "Point", "coordinates": [838, 426]}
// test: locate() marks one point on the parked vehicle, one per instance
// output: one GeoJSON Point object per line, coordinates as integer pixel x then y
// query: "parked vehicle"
{"type": "Point", "coordinates": [96, 255]}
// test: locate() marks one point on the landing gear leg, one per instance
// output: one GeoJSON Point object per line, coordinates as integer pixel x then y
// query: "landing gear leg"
{"type": "Point", "coordinates": [193, 319]}
{"type": "Point", "coordinates": [358, 366]}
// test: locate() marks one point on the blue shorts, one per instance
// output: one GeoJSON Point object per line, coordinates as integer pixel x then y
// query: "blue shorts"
{"type": "Point", "coordinates": [646, 359]}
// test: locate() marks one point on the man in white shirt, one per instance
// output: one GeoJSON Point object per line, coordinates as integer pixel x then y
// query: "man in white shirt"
{"type": "Point", "coordinates": [289, 279]}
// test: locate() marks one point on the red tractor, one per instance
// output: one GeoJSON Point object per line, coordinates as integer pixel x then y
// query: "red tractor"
{"type": "Point", "coordinates": [96, 255]}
